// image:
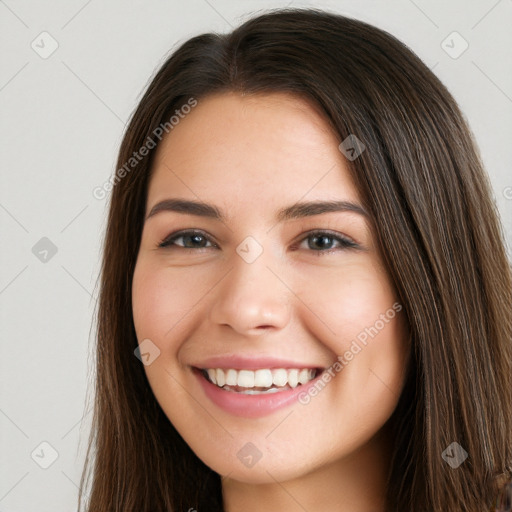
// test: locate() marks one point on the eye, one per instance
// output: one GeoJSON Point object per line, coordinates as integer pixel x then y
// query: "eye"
{"type": "Point", "coordinates": [322, 242]}
{"type": "Point", "coordinates": [191, 239]}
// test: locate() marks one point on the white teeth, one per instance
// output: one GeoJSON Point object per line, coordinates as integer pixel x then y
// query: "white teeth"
{"type": "Point", "coordinates": [305, 375]}
{"type": "Point", "coordinates": [231, 377]}
{"type": "Point", "coordinates": [245, 379]}
{"type": "Point", "coordinates": [293, 378]}
{"type": "Point", "coordinates": [220, 379]}
{"type": "Point", "coordinates": [256, 392]}
{"type": "Point", "coordinates": [263, 378]}
{"type": "Point", "coordinates": [213, 375]}
{"type": "Point", "coordinates": [266, 380]}
{"type": "Point", "coordinates": [280, 377]}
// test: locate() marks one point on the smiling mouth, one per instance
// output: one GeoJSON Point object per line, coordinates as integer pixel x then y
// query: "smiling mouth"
{"type": "Point", "coordinates": [257, 382]}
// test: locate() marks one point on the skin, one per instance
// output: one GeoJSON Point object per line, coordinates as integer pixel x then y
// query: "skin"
{"type": "Point", "coordinates": [251, 156]}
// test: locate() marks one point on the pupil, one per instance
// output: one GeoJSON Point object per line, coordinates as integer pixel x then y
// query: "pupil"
{"type": "Point", "coordinates": [322, 241]}
{"type": "Point", "coordinates": [194, 238]}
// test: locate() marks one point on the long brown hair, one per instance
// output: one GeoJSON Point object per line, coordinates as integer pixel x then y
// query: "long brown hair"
{"type": "Point", "coordinates": [421, 179]}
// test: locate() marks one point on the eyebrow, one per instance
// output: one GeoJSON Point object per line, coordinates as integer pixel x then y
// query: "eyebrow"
{"type": "Point", "coordinates": [295, 211]}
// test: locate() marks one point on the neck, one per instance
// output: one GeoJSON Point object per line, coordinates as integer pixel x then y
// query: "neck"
{"type": "Point", "coordinates": [355, 483]}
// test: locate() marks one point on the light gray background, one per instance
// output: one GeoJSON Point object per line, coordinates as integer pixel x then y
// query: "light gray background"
{"type": "Point", "coordinates": [61, 123]}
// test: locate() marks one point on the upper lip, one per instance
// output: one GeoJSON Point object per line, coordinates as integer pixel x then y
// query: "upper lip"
{"type": "Point", "coordinates": [251, 363]}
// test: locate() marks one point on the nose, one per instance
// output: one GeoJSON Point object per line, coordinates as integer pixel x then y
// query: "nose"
{"type": "Point", "coordinates": [251, 298]}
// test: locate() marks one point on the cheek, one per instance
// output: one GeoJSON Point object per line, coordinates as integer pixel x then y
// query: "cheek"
{"type": "Point", "coordinates": [149, 294]}
{"type": "Point", "coordinates": [357, 316]}
{"type": "Point", "coordinates": [162, 297]}
{"type": "Point", "coordinates": [347, 301]}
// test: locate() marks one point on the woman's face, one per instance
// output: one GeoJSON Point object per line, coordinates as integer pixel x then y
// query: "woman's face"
{"type": "Point", "coordinates": [271, 336]}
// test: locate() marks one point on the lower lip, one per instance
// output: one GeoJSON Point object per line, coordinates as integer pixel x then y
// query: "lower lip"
{"type": "Point", "coordinates": [251, 406]}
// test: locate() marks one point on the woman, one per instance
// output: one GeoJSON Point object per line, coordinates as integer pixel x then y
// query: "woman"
{"type": "Point", "coordinates": [303, 253]}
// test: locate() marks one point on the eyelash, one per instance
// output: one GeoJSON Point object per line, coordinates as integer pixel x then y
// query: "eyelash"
{"type": "Point", "coordinates": [345, 242]}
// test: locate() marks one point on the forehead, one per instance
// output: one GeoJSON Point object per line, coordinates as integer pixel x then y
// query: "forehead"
{"type": "Point", "coordinates": [258, 149]}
